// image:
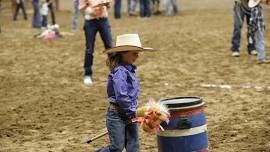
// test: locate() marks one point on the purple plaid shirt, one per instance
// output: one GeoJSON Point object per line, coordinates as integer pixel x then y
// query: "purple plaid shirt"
{"type": "Point", "coordinates": [123, 88]}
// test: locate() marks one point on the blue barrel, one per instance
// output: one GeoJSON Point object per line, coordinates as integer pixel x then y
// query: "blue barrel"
{"type": "Point", "coordinates": [186, 130]}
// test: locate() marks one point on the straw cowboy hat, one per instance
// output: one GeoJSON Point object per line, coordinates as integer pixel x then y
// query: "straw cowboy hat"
{"type": "Point", "coordinates": [128, 42]}
{"type": "Point", "coordinates": [253, 3]}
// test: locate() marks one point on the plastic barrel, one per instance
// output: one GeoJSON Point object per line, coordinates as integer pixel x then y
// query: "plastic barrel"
{"type": "Point", "coordinates": [186, 130]}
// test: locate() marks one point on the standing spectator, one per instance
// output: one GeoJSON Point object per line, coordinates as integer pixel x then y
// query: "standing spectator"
{"type": "Point", "coordinates": [117, 9]}
{"type": "Point", "coordinates": [44, 13]}
{"type": "Point", "coordinates": [52, 10]}
{"type": "Point", "coordinates": [174, 5]}
{"type": "Point", "coordinates": [156, 10]}
{"type": "Point", "coordinates": [145, 10]}
{"type": "Point", "coordinates": [257, 27]}
{"type": "Point", "coordinates": [131, 7]}
{"type": "Point", "coordinates": [74, 21]}
{"type": "Point", "coordinates": [96, 20]}
{"type": "Point", "coordinates": [20, 4]}
{"type": "Point", "coordinates": [240, 12]}
{"type": "Point", "coordinates": [36, 22]}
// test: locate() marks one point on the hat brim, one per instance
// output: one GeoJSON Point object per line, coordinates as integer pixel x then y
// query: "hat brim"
{"type": "Point", "coordinates": [253, 4]}
{"type": "Point", "coordinates": [124, 48]}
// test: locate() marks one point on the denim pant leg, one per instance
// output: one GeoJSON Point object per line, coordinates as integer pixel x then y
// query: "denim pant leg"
{"type": "Point", "coordinates": [128, 6]}
{"type": "Point", "coordinates": [117, 9]}
{"type": "Point", "coordinates": [116, 130]}
{"type": "Point", "coordinates": [251, 44]}
{"type": "Point", "coordinates": [44, 21]}
{"type": "Point", "coordinates": [147, 8]}
{"type": "Point", "coordinates": [175, 7]}
{"type": "Point", "coordinates": [142, 8]}
{"type": "Point", "coordinates": [132, 137]}
{"type": "Point", "coordinates": [36, 20]}
{"type": "Point", "coordinates": [260, 44]}
{"type": "Point", "coordinates": [105, 32]}
{"type": "Point", "coordinates": [75, 17]}
{"type": "Point", "coordinates": [133, 5]}
{"type": "Point", "coordinates": [168, 7]}
{"type": "Point", "coordinates": [90, 31]}
{"type": "Point", "coordinates": [238, 17]}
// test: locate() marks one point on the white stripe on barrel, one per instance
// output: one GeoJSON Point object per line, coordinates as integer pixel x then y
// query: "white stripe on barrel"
{"type": "Point", "coordinates": [183, 132]}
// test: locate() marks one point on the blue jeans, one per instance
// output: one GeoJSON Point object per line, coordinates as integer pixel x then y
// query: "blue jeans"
{"type": "Point", "coordinates": [122, 134]}
{"type": "Point", "coordinates": [91, 27]}
{"type": "Point", "coordinates": [174, 4]}
{"type": "Point", "coordinates": [258, 35]}
{"type": "Point", "coordinates": [131, 6]}
{"type": "Point", "coordinates": [75, 17]}
{"type": "Point", "coordinates": [44, 21]}
{"type": "Point", "coordinates": [36, 21]}
{"type": "Point", "coordinates": [145, 10]}
{"type": "Point", "coordinates": [239, 16]}
{"type": "Point", "coordinates": [117, 9]}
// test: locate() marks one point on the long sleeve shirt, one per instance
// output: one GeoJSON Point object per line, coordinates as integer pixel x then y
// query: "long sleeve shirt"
{"type": "Point", "coordinates": [90, 12]}
{"type": "Point", "coordinates": [123, 88]}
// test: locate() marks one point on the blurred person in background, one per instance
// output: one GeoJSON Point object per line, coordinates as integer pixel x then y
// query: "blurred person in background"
{"type": "Point", "coordinates": [75, 17]}
{"type": "Point", "coordinates": [131, 7]}
{"type": "Point", "coordinates": [20, 5]}
{"type": "Point", "coordinates": [96, 20]}
{"type": "Point", "coordinates": [36, 22]}
{"type": "Point", "coordinates": [145, 8]}
{"type": "Point", "coordinates": [240, 12]}
{"type": "Point", "coordinates": [44, 13]}
{"type": "Point", "coordinates": [117, 9]}
{"type": "Point", "coordinates": [174, 5]}
{"type": "Point", "coordinates": [52, 10]}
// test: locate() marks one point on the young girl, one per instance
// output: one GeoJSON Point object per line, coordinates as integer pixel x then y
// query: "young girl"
{"type": "Point", "coordinates": [44, 13]}
{"type": "Point", "coordinates": [122, 90]}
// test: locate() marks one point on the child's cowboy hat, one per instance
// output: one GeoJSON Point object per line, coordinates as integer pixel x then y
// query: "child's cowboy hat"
{"type": "Point", "coordinates": [253, 3]}
{"type": "Point", "coordinates": [128, 42]}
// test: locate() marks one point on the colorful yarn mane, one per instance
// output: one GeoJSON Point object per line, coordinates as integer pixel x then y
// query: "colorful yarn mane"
{"type": "Point", "coordinates": [151, 115]}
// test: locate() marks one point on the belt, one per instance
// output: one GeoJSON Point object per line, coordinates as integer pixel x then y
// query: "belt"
{"type": "Point", "coordinates": [114, 106]}
{"type": "Point", "coordinates": [96, 19]}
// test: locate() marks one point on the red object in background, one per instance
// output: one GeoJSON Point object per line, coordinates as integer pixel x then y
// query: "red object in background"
{"type": "Point", "coordinates": [268, 2]}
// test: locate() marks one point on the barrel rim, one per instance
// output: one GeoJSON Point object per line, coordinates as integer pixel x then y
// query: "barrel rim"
{"type": "Point", "coordinates": [198, 102]}
{"type": "Point", "coordinates": [188, 107]}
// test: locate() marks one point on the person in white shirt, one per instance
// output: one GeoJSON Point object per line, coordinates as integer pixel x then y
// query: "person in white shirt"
{"type": "Point", "coordinates": [44, 13]}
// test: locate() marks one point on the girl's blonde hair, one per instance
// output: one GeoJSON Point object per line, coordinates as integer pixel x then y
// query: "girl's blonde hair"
{"type": "Point", "coordinates": [113, 60]}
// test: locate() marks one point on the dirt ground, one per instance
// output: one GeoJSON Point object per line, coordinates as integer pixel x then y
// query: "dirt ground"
{"type": "Point", "coordinates": [44, 106]}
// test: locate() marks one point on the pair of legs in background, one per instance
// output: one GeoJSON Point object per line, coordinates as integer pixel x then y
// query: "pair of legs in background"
{"type": "Point", "coordinates": [19, 6]}
{"type": "Point", "coordinates": [91, 28]}
{"type": "Point", "coordinates": [239, 15]}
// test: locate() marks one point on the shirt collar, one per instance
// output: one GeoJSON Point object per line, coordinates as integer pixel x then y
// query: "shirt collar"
{"type": "Point", "coordinates": [129, 67]}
